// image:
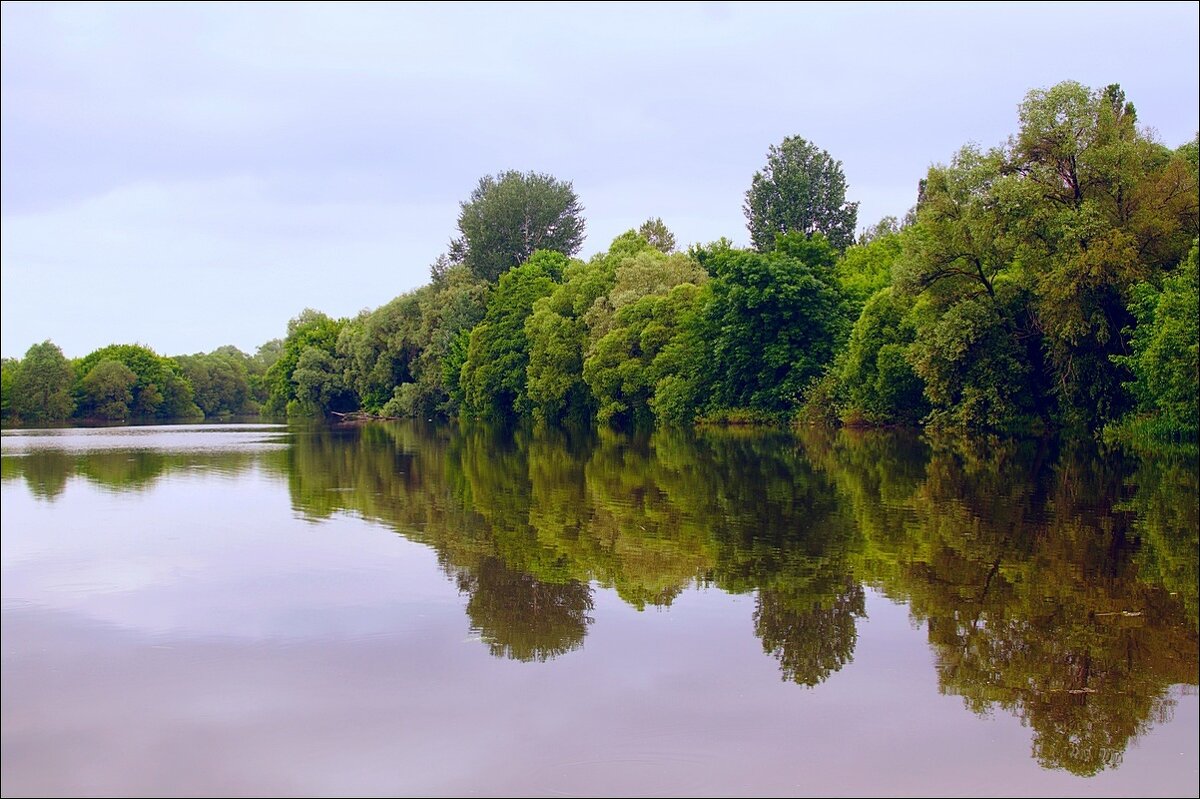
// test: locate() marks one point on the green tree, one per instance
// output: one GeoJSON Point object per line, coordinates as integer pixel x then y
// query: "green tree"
{"type": "Point", "coordinates": [867, 267]}
{"type": "Point", "coordinates": [1098, 207]}
{"type": "Point", "coordinates": [108, 390]}
{"type": "Point", "coordinates": [510, 216]}
{"type": "Point", "coordinates": [1026, 258]}
{"type": "Point", "coordinates": [1164, 361]}
{"type": "Point", "coordinates": [683, 366]}
{"type": "Point", "coordinates": [976, 347]}
{"type": "Point", "coordinates": [381, 348]}
{"type": "Point", "coordinates": [456, 304]}
{"type": "Point", "coordinates": [493, 376]}
{"type": "Point", "coordinates": [651, 300]}
{"type": "Point", "coordinates": [309, 329]}
{"type": "Point", "coordinates": [395, 355]}
{"type": "Point", "coordinates": [801, 189]}
{"type": "Point", "coordinates": [567, 327]}
{"type": "Point", "coordinates": [257, 366]}
{"type": "Point", "coordinates": [162, 391]}
{"type": "Point", "coordinates": [879, 383]}
{"type": "Point", "coordinates": [41, 385]}
{"type": "Point", "coordinates": [320, 386]}
{"type": "Point", "coordinates": [774, 322]}
{"type": "Point", "coordinates": [658, 234]}
{"type": "Point", "coordinates": [220, 381]}
{"type": "Point", "coordinates": [8, 368]}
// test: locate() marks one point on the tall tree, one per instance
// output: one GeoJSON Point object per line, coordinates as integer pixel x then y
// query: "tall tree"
{"type": "Point", "coordinates": [1100, 207]}
{"type": "Point", "coordinates": [658, 234]}
{"type": "Point", "coordinates": [801, 189]}
{"type": "Point", "coordinates": [511, 215]}
{"type": "Point", "coordinates": [41, 385]}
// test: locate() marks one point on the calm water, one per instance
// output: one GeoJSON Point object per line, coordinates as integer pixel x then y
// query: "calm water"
{"type": "Point", "coordinates": [400, 609]}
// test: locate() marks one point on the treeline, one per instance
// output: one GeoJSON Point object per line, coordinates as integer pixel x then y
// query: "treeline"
{"type": "Point", "coordinates": [1050, 282]}
{"type": "Point", "coordinates": [130, 382]}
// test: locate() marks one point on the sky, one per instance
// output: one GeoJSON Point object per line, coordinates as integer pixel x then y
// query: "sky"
{"type": "Point", "coordinates": [189, 176]}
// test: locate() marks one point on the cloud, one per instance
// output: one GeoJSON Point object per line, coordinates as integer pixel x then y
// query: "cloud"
{"type": "Point", "coordinates": [240, 153]}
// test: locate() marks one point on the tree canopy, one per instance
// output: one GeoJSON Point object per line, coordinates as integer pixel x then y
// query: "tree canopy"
{"type": "Point", "coordinates": [1040, 284]}
{"type": "Point", "coordinates": [41, 385]}
{"type": "Point", "coordinates": [513, 214]}
{"type": "Point", "coordinates": [801, 189]}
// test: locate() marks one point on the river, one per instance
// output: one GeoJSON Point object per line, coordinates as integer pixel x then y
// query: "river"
{"type": "Point", "coordinates": [399, 609]}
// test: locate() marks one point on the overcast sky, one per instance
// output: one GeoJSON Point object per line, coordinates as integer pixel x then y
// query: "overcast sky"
{"type": "Point", "coordinates": [192, 176]}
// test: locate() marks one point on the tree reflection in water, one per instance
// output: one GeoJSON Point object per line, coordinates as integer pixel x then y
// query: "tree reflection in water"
{"type": "Point", "coordinates": [1054, 583]}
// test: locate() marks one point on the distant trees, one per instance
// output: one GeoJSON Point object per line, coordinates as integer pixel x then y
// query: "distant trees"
{"type": "Point", "coordinates": [108, 390]}
{"type": "Point", "coordinates": [127, 382]}
{"type": "Point", "coordinates": [801, 189]}
{"type": "Point", "coordinates": [41, 385]}
{"type": "Point", "coordinates": [310, 330]}
{"type": "Point", "coordinates": [221, 381]}
{"type": "Point", "coordinates": [8, 369]}
{"type": "Point", "coordinates": [510, 216]}
{"type": "Point", "coordinates": [160, 389]}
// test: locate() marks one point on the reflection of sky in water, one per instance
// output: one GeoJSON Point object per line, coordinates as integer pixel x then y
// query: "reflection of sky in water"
{"type": "Point", "coordinates": [209, 556]}
{"type": "Point", "coordinates": [172, 438]}
{"type": "Point", "coordinates": [203, 611]}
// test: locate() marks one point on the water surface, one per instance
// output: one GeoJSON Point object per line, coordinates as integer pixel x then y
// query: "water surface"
{"type": "Point", "coordinates": [406, 609]}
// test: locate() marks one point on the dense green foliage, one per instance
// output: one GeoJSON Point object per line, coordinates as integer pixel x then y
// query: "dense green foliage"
{"type": "Point", "coordinates": [652, 299]}
{"type": "Point", "coordinates": [41, 385]}
{"type": "Point", "coordinates": [1041, 284]}
{"type": "Point", "coordinates": [512, 215]}
{"type": "Point", "coordinates": [557, 332]}
{"type": "Point", "coordinates": [8, 370]}
{"type": "Point", "coordinates": [159, 390]}
{"type": "Point", "coordinates": [493, 377]}
{"type": "Point", "coordinates": [1164, 361]}
{"type": "Point", "coordinates": [222, 381]}
{"type": "Point", "coordinates": [108, 390]}
{"type": "Point", "coordinates": [1028, 282]}
{"type": "Point", "coordinates": [774, 322]}
{"type": "Point", "coordinates": [879, 382]}
{"type": "Point", "coordinates": [801, 189]}
{"type": "Point", "coordinates": [311, 330]}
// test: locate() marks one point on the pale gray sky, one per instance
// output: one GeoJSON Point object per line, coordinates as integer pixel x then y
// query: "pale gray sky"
{"type": "Point", "coordinates": [192, 176]}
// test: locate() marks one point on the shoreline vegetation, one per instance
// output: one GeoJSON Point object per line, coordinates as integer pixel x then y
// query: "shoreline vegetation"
{"type": "Point", "coordinates": [1048, 284]}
